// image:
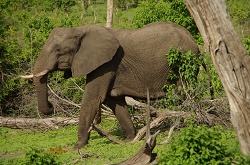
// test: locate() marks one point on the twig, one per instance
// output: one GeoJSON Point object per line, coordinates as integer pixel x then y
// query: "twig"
{"type": "Point", "coordinates": [67, 101]}
{"type": "Point", "coordinates": [77, 85]}
{"type": "Point", "coordinates": [169, 134]}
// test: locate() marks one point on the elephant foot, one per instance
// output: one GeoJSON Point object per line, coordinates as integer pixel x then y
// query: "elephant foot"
{"type": "Point", "coordinates": [79, 145]}
{"type": "Point", "coordinates": [129, 138]}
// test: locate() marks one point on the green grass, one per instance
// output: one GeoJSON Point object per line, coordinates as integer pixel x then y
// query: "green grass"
{"type": "Point", "coordinates": [15, 143]}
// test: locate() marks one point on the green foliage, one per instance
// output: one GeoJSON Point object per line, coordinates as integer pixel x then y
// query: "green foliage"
{"type": "Point", "coordinates": [71, 89]}
{"type": "Point", "coordinates": [172, 100]}
{"type": "Point", "coordinates": [40, 157]}
{"type": "Point", "coordinates": [166, 11]}
{"type": "Point", "coordinates": [150, 11]}
{"type": "Point", "coordinates": [246, 43]}
{"type": "Point", "coordinates": [201, 145]}
{"type": "Point", "coordinates": [239, 11]}
{"type": "Point", "coordinates": [184, 69]}
{"type": "Point", "coordinates": [183, 66]}
{"type": "Point", "coordinates": [216, 82]}
{"type": "Point", "coordinates": [125, 4]}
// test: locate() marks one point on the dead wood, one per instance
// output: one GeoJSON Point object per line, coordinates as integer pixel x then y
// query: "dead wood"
{"type": "Point", "coordinates": [171, 130]}
{"type": "Point", "coordinates": [161, 117]}
{"type": "Point", "coordinates": [158, 121]}
{"type": "Point", "coordinates": [107, 135]}
{"type": "Point", "coordinates": [144, 155]}
{"type": "Point", "coordinates": [28, 123]}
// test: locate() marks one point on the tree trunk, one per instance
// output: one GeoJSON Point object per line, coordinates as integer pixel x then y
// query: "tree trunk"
{"type": "Point", "coordinates": [230, 59]}
{"type": "Point", "coordinates": [109, 13]}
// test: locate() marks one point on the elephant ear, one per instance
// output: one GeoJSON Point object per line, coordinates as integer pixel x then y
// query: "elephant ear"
{"type": "Point", "coordinates": [97, 46]}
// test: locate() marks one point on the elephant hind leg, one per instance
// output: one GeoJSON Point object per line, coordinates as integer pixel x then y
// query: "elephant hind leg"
{"type": "Point", "coordinates": [119, 107]}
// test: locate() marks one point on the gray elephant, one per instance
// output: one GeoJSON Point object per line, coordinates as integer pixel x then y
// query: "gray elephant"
{"type": "Point", "coordinates": [117, 63]}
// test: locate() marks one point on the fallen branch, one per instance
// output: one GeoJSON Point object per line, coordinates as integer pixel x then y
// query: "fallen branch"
{"type": "Point", "coordinates": [108, 136]}
{"type": "Point", "coordinates": [171, 130]}
{"type": "Point", "coordinates": [153, 124]}
{"type": "Point", "coordinates": [28, 123]}
{"type": "Point", "coordinates": [162, 116]}
{"type": "Point", "coordinates": [144, 156]}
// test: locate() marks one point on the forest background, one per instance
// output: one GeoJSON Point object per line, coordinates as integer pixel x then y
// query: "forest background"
{"type": "Point", "coordinates": [26, 24]}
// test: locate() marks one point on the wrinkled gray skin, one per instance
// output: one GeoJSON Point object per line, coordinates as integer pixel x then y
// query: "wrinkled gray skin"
{"type": "Point", "coordinates": [117, 63]}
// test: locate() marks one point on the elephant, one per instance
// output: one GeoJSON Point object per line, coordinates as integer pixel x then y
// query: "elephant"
{"type": "Point", "coordinates": [116, 63]}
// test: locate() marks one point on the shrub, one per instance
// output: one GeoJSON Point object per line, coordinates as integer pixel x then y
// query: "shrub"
{"type": "Point", "coordinates": [38, 157]}
{"type": "Point", "coordinates": [246, 43]}
{"type": "Point", "coordinates": [201, 145]}
{"type": "Point", "coordinates": [166, 11]}
{"type": "Point", "coordinates": [183, 65]}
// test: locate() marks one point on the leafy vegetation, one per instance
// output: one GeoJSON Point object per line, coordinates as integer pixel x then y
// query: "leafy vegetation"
{"type": "Point", "coordinates": [186, 64]}
{"type": "Point", "coordinates": [36, 157]}
{"type": "Point", "coordinates": [166, 11]}
{"type": "Point", "coordinates": [201, 145]}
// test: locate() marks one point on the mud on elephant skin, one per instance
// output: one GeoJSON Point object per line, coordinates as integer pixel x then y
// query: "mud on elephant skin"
{"type": "Point", "coordinates": [117, 63]}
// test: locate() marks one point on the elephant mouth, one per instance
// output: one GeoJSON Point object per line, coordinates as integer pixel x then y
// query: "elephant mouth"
{"type": "Point", "coordinates": [63, 66]}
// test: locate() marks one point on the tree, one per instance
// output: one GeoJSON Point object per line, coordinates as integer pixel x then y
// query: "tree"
{"type": "Point", "coordinates": [109, 13]}
{"type": "Point", "coordinates": [230, 59]}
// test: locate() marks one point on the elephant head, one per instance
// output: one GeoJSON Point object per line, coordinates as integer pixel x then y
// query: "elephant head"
{"type": "Point", "coordinates": [76, 51]}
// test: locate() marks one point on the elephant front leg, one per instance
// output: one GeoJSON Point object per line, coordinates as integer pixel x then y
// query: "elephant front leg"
{"type": "Point", "coordinates": [89, 109]}
{"type": "Point", "coordinates": [97, 85]}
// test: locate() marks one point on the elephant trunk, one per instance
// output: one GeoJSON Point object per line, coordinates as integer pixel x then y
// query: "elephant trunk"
{"type": "Point", "coordinates": [44, 105]}
{"type": "Point", "coordinates": [42, 67]}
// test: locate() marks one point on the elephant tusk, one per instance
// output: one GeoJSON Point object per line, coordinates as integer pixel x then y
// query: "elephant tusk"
{"type": "Point", "coordinates": [27, 76]}
{"type": "Point", "coordinates": [42, 73]}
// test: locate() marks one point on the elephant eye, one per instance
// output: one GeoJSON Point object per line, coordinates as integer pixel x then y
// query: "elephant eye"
{"type": "Point", "coordinates": [57, 50]}
{"type": "Point", "coordinates": [66, 49]}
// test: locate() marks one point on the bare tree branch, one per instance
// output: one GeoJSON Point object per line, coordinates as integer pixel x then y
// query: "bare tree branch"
{"type": "Point", "coordinates": [67, 101]}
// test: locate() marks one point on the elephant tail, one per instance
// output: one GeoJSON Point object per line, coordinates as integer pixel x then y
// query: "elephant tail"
{"type": "Point", "coordinates": [211, 89]}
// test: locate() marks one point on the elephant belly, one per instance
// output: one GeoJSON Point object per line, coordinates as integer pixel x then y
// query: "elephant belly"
{"type": "Point", "coordinates": [138, 90]}
{"type": "Point", "coordinates": [134, 82]}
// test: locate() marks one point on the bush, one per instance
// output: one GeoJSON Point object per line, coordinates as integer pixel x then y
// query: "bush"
{"type": "Point", "coordinates": [183, 65]}
{"type": "Point", "coordinates": [246, 43]}
{"type": "Point", "coordinates": [40, 157]}
{"type": "Point", "coordinates": [201, 145]}
{"type": "Point", "coordinates": [166, 11]}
